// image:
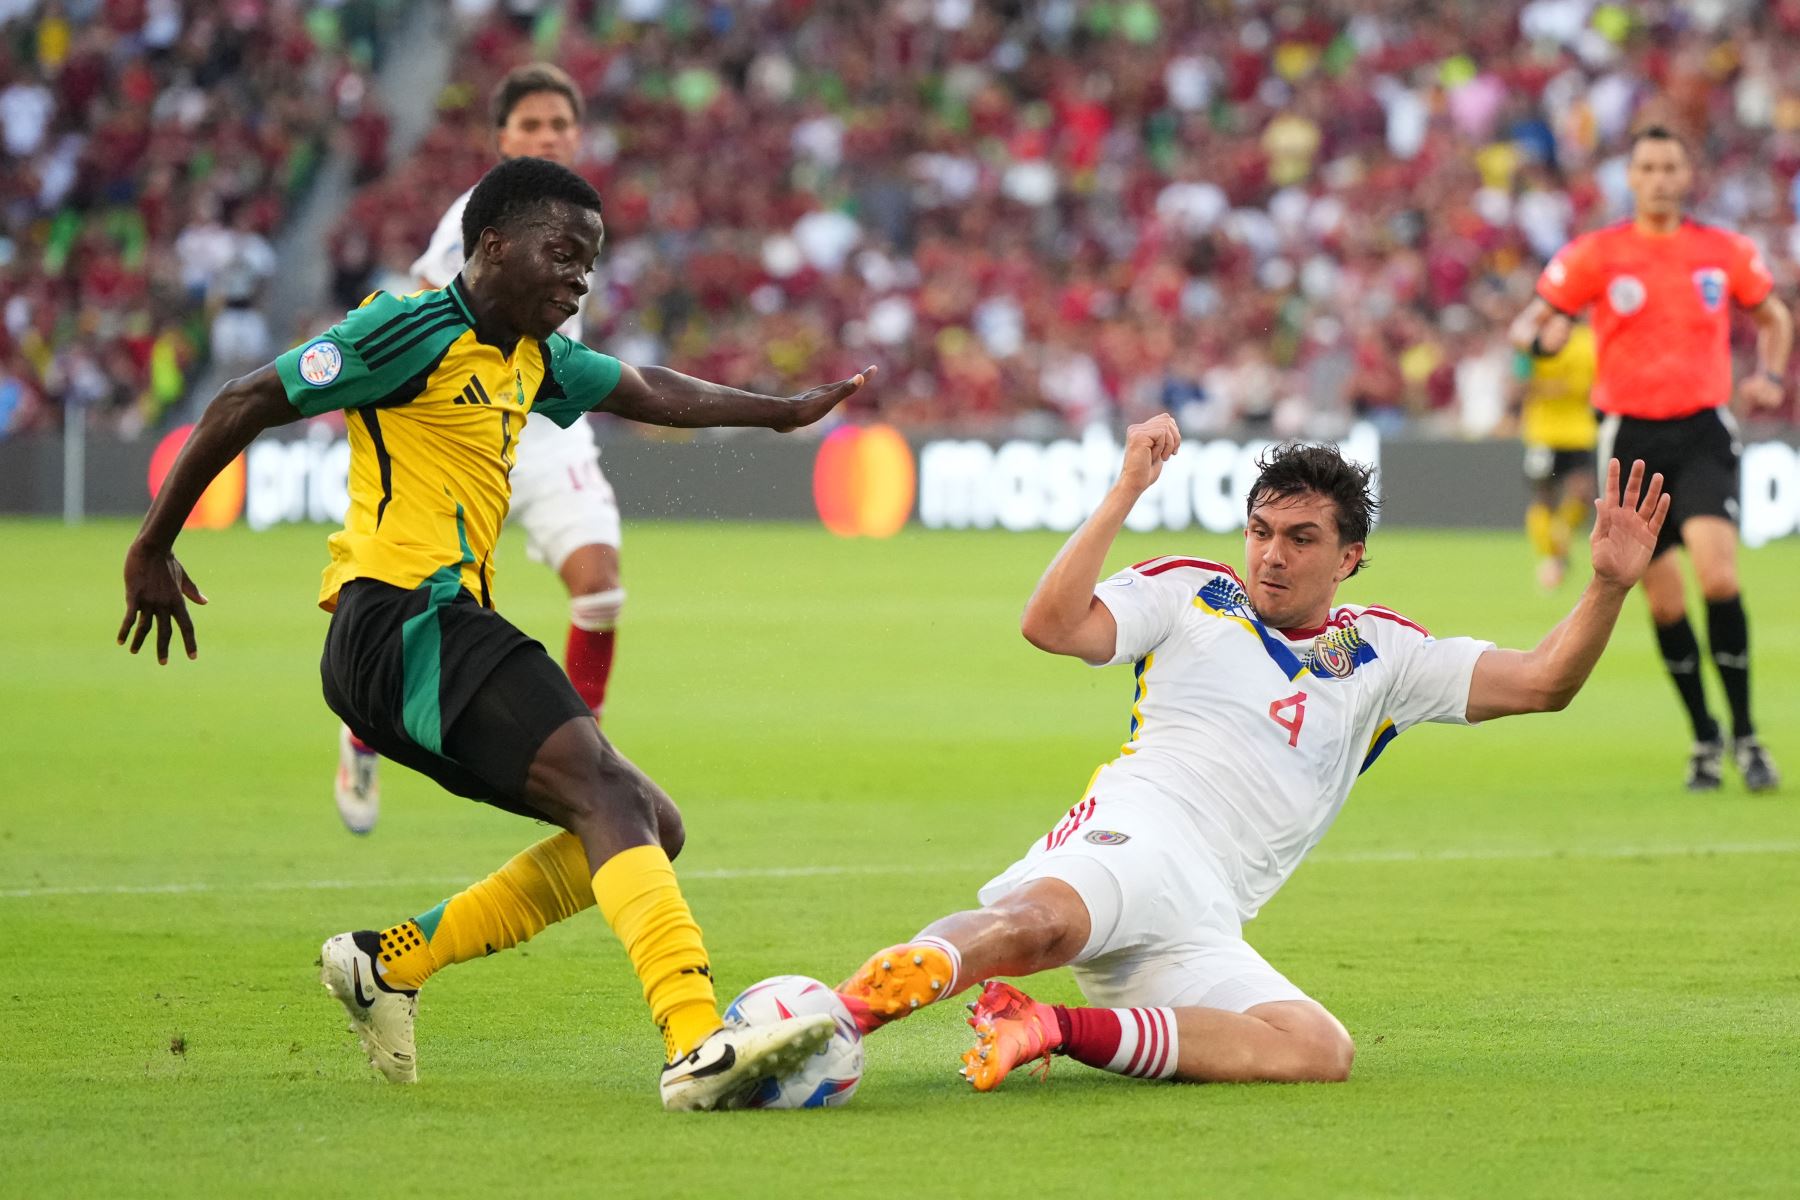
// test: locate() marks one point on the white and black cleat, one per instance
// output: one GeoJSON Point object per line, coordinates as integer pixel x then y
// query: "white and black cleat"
{"type": "Point", "coordinates": [380, 1016]}
{"type": "Point", "coordinates": [1706, 766]}
{"type": "Point", "coordinates": [1755, 765]}
{"type": "Point", "coordinates": [725, 1070]}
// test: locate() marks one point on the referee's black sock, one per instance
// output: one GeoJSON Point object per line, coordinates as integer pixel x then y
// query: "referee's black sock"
{"type": "Point", "coordinates": [1728, 635]}
{"type": "Point", "coordinates": [1681, 655]}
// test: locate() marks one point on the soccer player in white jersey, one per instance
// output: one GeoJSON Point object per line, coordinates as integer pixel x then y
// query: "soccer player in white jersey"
{"type": "Point", "coordinates": [1258, 704]}
{"type": "Point", "coordinates": [559, 494]}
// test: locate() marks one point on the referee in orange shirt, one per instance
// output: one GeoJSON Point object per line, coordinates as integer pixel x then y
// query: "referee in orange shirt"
{"type": "Point", "coordinates": [1661, 287]}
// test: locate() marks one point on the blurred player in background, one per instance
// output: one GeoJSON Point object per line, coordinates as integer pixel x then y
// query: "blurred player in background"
{"type": "Point", "coordinates": [418, 662]}
{"type": "Point", "coordinates": [1556, 423]}
{"type": "Point", "coordinates": [1661, 289]}
{"type": "Point", "coordinates": [1258, 705]}
{"type": "Point", "coordinates": [560, 497]}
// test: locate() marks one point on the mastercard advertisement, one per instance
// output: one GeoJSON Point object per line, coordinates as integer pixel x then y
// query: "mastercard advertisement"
{"type": "Point", "coordinates": [864, 481]}
{"type": "Point", "coordinates": [223, 500]}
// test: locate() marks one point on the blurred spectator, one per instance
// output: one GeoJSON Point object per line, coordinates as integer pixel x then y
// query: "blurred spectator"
{"type": "Point", "coordinates": [1264, 214]}
{"type": "Point", "coordinates": [148, 148]}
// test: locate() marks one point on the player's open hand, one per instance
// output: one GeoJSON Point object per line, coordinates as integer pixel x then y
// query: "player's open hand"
{"type": "Point", "coordinates": [1625, 527]}
{"type": "Point", "coordinates": [156, 592]}
{"type": "Point", "coordinates": [1147, 447]}
{"type": "Point", "coordinates": [808, 407]}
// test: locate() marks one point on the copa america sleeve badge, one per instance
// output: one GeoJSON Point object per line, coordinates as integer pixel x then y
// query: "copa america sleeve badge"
{"type": "Point", "coordinates": [321, 362]}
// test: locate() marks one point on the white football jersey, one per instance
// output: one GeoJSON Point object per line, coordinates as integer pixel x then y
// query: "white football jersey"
{"type": "Point", "coordinates": [1261, 732]}
{"type": "Point", "coordinates": [543, 446]}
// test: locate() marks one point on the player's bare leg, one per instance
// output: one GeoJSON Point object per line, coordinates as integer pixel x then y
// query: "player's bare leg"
{"type": "Point", "coordinates": [580, 781]}
{"type": "Point", "coordinates": [1036, 927]}
{"type": "Point", "coordinates": [591, 573]}
{"type": "Point", "coordinates": [1287, 1041]}
{"type": "Point", "coordinates": [1712, 547]}
{"type": "Point", "coordinates": [1665, 592]}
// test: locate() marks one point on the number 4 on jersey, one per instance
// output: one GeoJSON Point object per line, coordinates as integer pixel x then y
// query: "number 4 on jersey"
{"type": "Point", "coordinates": [1292, 724]}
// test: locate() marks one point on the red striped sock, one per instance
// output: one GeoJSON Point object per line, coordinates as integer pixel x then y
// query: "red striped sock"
{"type": "Point", "coordinates": [589, 661]}
{"type": "Point", "coordinates": [1125, 1041]}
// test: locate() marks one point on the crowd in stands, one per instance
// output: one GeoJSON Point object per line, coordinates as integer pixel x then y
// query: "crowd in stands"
{"type": "Point", "coordinates": [149, 149]}
{"type": "Point", "coordinates": [1261, 214]}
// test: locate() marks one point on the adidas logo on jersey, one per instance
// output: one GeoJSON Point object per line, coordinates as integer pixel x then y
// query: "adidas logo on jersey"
{"type": "Point", "coordinates": [473, 393]}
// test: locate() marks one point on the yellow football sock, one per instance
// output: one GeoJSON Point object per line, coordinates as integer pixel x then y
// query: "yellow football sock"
{"type": "Point", "coordinates": [1540, 527]}
{"type": "Point", "coordinates": [641, 900]}
{"type": "Point", "coordinates": [542, 885]}
{"type": "Point", "coordinates": [1574, 513]}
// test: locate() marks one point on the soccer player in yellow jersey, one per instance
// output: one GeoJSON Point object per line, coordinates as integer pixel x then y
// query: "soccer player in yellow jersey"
{"type": "Point", "coordinates": [436, 387]}
{"type": "Point", "coordinates": [1558, 427]}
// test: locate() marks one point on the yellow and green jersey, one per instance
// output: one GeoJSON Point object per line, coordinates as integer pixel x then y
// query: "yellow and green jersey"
{"type": "Point", "coordinates": [434, 415]}
{"type": "Point", "coordinates": [1558, 413]}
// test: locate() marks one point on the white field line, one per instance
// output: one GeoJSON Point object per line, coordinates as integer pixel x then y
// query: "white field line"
{"type": "Point", "coordinates": [1473, 854]}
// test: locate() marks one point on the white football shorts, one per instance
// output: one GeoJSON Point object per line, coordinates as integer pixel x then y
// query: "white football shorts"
{"type": "Point", "coordinates": [559, 495]}
{"type": "Point", "coordinates": [1166, 931]}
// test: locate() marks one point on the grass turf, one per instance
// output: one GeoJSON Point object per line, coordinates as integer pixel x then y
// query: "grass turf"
{"type": "Point", "coordinates": [1565, 975]}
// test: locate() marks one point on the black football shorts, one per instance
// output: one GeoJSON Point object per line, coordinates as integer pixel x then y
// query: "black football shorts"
{"type": "Point", "coordinates": [1697, 455]}
{"type": "Point", "coordinates": [433, 680]}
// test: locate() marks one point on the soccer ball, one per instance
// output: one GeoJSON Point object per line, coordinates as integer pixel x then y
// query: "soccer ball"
{"type": "Point", "coordinates": [830, 1077]}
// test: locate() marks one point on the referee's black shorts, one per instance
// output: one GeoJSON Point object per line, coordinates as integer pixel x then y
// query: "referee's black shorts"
{"type": "Point", "coordinates": [1697, 455]}
{"type": "Point", "coordinates": [431, 679]}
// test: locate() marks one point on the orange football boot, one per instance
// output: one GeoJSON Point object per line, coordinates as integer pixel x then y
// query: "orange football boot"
{"type": "Point", "coordinates": [1010, 1028]}
{"type": "Point", "coordinates": [895, 981]}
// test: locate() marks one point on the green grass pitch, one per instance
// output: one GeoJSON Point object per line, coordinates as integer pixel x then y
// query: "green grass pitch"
{"type": "Point", "coordinates": [1566, 976]}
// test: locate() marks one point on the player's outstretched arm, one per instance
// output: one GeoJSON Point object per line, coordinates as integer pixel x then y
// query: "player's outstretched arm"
{"type": "Point", "coordinates": [156, 587]}
{"type": "Point", "coordinates": [659, 396]}
{"type": "Point", "coordinates": [1063, 616]}
{"type": "Point", "coordinates": [1508, 682]}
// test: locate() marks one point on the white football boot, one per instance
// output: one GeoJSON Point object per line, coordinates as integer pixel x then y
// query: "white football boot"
{"type": "Point", "coordinates": [358, 787]}
{"type": "Point", "coordinates": [381, 1016]}
{"type": "Point", "coordinates": [725, 1070]}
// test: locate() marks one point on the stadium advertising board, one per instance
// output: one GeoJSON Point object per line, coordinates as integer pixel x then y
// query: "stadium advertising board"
{"type": "Point", "coordinates": [1021, 485]}
{"type": "Point", "coordinates": [871, 481]}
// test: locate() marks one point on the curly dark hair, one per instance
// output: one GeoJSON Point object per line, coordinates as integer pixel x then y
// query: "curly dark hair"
{"type": "Point", "coordinates": [1297, 468]}
{"type": "Point", "coordinates": [518, 190]}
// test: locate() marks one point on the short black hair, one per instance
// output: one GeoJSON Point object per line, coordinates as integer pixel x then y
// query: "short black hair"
{"type": "Point", "coordinates": [1656, 133]}
{"type": "Point", "coordinates": [529, 80]}
{"type": "Point", "coordinates": [1297, 468]}
{"type": "Point", "coordinates": [511, 193]}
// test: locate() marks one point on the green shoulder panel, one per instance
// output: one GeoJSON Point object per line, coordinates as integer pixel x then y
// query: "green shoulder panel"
{"type": "Point", "coordinates": [370, 353]}
{"type": "Point", "coordinates": [577, 380]}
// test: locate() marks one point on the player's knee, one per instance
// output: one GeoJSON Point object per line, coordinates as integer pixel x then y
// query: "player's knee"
{"type": "Point", "coordinates": [1326, 1050]}
{"type": "Point", "coordinates": [584, 783]}
{"type": "Point", "coordinates": [597, 611]}
{"type": "Point", "coordinates": [1332, 1056]}
{"type": "Point", "coordinates": [1036, 922]}
{"type": "Point", "coordinates": [670, 829]}
{"type": "Point", "coordinates": [1312, 1047]}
